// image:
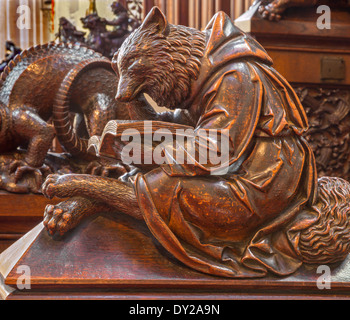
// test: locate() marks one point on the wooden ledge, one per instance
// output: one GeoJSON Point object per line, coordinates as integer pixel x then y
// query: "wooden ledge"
{"type": "Point", "coordinates": [116, 257]}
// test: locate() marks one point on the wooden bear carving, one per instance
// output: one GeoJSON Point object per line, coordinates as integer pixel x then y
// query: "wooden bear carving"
{"type": "Point", "coordinates": [267, 213]}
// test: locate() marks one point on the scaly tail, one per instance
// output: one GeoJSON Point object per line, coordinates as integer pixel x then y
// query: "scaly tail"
{"type": "Point", "coordinates": [328, 240]}
{"type": "Point", "coordinates": [61, 116]}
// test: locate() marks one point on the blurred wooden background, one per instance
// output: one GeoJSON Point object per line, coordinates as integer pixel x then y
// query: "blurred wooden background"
{"type": "Point", "coordinates": [197, 13]}
{"type": "Point", "coordinates": [39, 31]}
{"type": "Point", "coordinates": [44, 17]}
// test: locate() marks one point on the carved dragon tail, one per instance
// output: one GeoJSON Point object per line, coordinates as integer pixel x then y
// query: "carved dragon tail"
{"type": "Point", "coordinates": [328, 240]}
{"type": "Point", "coordinates": [61, 109]}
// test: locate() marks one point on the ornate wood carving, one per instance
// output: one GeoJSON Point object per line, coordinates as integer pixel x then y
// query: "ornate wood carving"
{"type": "Point", "coordinates": [267, 213]}
{"type": "Point", "coordinates": [328, 111]}
{"type": "Point", "coordinates": [275, 9]}
{"type": "Point", "coordinates": [11, 52]}
{"type": "Point", "coordinates": [100, 39]}
{"type": "Point", "coordinates": [76, 90]}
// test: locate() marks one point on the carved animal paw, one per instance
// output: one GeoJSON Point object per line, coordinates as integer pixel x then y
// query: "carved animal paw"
{"type": "Point", "coordinates": [20, 167]}
{"type": "Point", "coordinates": [61, 186]}
{"type": "Point", "coordinates": [97, 169]}
{"type": "Point", "coordinates": [60, 219]}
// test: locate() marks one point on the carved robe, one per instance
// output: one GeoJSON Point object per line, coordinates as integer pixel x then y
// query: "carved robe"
{"type": "Point", "coordinates": [246, 222]}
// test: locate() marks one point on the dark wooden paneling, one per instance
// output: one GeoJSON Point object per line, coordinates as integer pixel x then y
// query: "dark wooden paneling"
{"type": "Point", "coordinates": [196, 13]}
{"type": "Point", "coordinates": [19, 214]}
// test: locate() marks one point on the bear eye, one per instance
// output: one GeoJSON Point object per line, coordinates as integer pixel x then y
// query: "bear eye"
{"type": "Point", "coordinates": [131, 60]}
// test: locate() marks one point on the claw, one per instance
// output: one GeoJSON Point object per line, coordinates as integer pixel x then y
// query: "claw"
{"type": "Point", "coordinates": [48, 211]}
{"type": "Point", "coordinates": [47, 190]}
{"type": "Point", "coordinates": [105, 172]}
{"type": "Point", "coordinates": [19, 168]}
{"type": "Point", "coordinates": [97, 169]}
{"type": "Point", "coordinates": [55, 217]}
{"type": "Point", "coordinates": [48, 215]}
{"type": "Point", "coordinates": [62, 227]}
{"type": "Point", "coordinates": [48, 187]}
{"type": "Point", "coordinates": [52, 226]}
{"type": "Point", "coordinates": [66, 217]}
{"type": "Point", "coordinates": [57, 220]}
{"type": "Point", "coordinates": [49, 208]}
{"type": "Point", "coordinates": [57, 213]}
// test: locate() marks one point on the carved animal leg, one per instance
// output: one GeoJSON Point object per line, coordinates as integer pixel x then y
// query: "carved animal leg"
{"type": "Point", "coordinates": [111, 192]}
{"type": "Point", "coordinates": [30, 127]}
{"type": "Point", "coordinates": [67, 215]}
{"type": "Point", "coordinates": [99, 115]}
{"type": "Point", "coordinates": [98, 168]}
{"type": "Point", "coordinates": [97, 118]}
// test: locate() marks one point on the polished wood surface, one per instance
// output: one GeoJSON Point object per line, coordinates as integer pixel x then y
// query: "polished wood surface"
{"type": "Point", "coordinates": [316, 63]}
{"type": "Point", "coordinates": [263, 211]}
{"type": "Point", "coordinates": [116, 257]}
{"type": "Point", "coordinates": [159, 254]}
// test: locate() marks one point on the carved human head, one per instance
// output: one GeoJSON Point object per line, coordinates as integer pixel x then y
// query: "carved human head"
{"type": "Point", "coordinates": [118, 7]}
{"type": "Point", "coordinates": [90, 21]}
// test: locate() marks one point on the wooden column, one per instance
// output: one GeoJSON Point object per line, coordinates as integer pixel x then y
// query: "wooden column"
{"type": "Point", "coordinates": [12, 32]}
{"type": "Point", "coordinates": [147, 6]}
{"type": "Point", "coordinates": [182, 12]}
{"type": "Point", "coordinates": [197, 13]}
{"type": "Point", "coordinates": [170, 11]}
{"type": "Point", "coordinates": [3, 36]}
{"type": "Point", "coordinates": [223, 5]}
{"type": "Point", "coordinates": [39, 25]}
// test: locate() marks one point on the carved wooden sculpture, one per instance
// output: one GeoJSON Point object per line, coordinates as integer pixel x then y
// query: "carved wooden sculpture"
{"type": "Point", "coordinates": [100, 39]}
{"type": "Point", "coordinates": [12, 52]}
{"type": "Point", "coordinates": [47, 83]}
{"type": "Point", "coordinates": [69, 33]}
{"type": "Point", "coordinates": [274, 10]}
{"type": "Point", "coordinates": [268, 213]}
{"type": "Point", "coordinates": [319, 75]}
{"type": "Point", "coordinates": [124, 19]}
{"type": "Point", "coordinates": [328, 112]}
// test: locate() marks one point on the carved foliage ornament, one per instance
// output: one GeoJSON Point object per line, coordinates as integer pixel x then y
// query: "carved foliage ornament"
{"type": "Point", "coordinates": [328, 111]}
{"type": "Point", "coordinates": [274, 10]}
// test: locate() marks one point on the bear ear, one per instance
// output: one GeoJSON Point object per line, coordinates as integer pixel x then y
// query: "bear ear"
{"type": "Point", "coordinates": [115, 57]}
{"type": "Point", "coordinates": [115, 62]}
{"type": "Point", "coordinates": [157, 17]}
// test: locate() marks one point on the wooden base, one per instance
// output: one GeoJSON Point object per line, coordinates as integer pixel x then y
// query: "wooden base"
{"type": "Point", "coordinates": [115, 257]}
